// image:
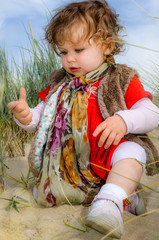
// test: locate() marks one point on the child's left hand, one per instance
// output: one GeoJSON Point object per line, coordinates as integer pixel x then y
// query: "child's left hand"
{"type": "Point", "coordinates": [112, 131]}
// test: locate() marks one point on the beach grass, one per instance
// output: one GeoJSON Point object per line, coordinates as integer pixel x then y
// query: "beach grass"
{"type": "Point", "coordinates": [37, 62]}
{"type": "Point", "coordinates": [33, 75]}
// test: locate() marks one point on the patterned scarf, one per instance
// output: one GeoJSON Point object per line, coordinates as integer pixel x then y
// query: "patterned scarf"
{"type": "Point", "coordinates": [65, 168]}
{"type": "Point", "coordinates": [71, 111]}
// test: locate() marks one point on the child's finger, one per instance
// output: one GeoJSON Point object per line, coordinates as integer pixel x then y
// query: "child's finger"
{"type": "Point", "coordinates": [20, 113]}
{"type": "Point", "coordinates": [103, 137]}
{"type": "Point", "coordinates": [99, 129]}
{"type": "Point", "coordinates": [22, 96]}
{"type": "Point", "coordinates": [12, 105]}
{"type": "Point", "coordinates": [117, 139]}
{"type": "Point", "coordinates": [25, 120]}
{"type": "Point", "coordinates": [110, 140]}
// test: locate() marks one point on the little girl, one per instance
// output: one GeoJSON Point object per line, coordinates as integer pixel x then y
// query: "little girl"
{"type": "Point", "coordinates": [88, 120]}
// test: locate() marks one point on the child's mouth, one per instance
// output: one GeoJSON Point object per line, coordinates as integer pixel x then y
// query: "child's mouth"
{"type": "Point", "coordinates": [73, 69]}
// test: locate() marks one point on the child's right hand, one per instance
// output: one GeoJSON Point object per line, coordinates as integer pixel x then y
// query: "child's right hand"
{"type": "Point", "coordinates": [111, 131]}
{"type": "Point", "coordinates": [20, 108]}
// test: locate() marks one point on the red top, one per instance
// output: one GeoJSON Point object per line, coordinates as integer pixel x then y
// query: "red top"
{"type": "Point", "coordinates": [44, 93]}
{"type": "Point", "coordinates": [135, 92]}
{"type": "Point", "coordinates": [100, 155]}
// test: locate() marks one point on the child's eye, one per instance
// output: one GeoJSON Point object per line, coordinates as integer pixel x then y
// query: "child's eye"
{"type": "Point", "coordinates": [63, 53]}
{"type": "Point", "coordinates": [79, 50]}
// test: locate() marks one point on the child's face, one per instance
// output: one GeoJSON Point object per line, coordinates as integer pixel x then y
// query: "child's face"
{"type": "Point", "coordinates": [83, 57]}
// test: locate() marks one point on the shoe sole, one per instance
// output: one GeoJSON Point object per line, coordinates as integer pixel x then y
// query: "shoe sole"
{"type": "Point", "coordinates": [103, 226]}
{"type": "Point", "coordinates": [141, 206]}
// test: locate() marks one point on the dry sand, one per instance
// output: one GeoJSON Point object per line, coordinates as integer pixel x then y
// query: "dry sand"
{"type": "Point", "coordinates": [37, 223]}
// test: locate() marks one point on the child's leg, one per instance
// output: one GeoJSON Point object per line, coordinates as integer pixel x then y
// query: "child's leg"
{"type": "Point", "coordinates": [105, 214]}
{"type": "Point", "coordinates": [127, 166]}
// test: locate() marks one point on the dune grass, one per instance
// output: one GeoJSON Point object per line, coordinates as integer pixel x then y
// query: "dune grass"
{"type": "Point", "coordinates": [33, 76]}
{"type": "Point", "coordinates": [37, 63]}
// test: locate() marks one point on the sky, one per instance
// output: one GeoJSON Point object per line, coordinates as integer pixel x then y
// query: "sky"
{"type": "Point", "coordinates": [140, 18]}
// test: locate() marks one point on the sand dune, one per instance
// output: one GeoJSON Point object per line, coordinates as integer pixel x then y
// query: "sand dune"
{"type": "Point", "coordinates": [37, 223]}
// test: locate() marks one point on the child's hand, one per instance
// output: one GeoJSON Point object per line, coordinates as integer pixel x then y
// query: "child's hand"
{"type": "Point", "coordinates": [20, 108]}
{"type": "Point", "coordinates": [112, 131]}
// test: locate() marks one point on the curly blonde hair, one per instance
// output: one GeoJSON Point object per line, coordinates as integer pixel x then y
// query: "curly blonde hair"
{"type": "Point", "coordinates": [98, 19]}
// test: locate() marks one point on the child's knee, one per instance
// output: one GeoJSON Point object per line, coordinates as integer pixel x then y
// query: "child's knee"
{"type": "Point", "coordinates": [129, 150]}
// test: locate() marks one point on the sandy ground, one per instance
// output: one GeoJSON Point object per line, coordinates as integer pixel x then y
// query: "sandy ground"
{"type": "Point", "coordinates": [37, 223]}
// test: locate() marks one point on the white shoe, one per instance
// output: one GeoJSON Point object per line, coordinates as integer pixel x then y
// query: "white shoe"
{"type": "Point", "coordinates": [137, 205]}
{"type": "Point", "coordinates": [106, 216]}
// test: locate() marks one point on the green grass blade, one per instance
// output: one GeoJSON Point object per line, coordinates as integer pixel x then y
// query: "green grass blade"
{"type": "Point", "coordinates": [139, 6]}
{"type": "Point", "coordinates": [15, 206]}
{"type": "Point", "coordinates": [8, 207]}
{"type": "Point", "coordinates": [21, 199]}
{"type": "Point", "coordinates": [75, 228]}
{"type": "Point", "coordinates": [60, 235]}
{"type": "Point", "coordinates": [139, 183]}
{"type": "Point", "coordinates": [145, 48]}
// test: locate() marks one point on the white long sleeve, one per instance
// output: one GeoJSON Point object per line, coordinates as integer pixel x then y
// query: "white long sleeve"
{"type": "Point", "coordinates": [143, 117]}
{"type": "Point", "coordinates": [37, 112]}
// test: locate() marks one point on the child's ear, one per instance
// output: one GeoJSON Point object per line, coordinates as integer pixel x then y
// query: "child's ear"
{"type": "Point", "coordinates": [109, 46]}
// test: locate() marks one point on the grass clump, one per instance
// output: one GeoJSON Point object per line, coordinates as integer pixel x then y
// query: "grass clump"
{"type": "Point", "coordinates": [33, 75]}
{"type": "Point", "coordinates": [37, 63]}
{"type": "Point", "coordinates": [14, 201]}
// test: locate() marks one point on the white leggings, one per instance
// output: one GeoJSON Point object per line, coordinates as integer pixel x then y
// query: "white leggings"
{"type": "Point", "coordinates": [129, 150]}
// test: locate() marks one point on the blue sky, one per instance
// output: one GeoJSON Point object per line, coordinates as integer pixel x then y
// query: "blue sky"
{"type": "Point", "coordinates": [141, 22]}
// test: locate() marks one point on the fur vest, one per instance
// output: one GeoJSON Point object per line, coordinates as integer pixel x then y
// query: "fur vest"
{"type": "Point", "coordinates": [111, 92]}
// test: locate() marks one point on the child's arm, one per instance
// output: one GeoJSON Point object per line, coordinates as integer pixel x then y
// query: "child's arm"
{"type": "Point", "coordinates": [36, 116]}
{"type": "Point", "coordinates": [25, 117]}
{"type": "Point", "coordinates": [141, 118]}
{"type": "Point", "coordinates": [20, 108]}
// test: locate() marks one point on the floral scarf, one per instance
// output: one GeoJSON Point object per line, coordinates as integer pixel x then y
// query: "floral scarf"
{"type": "Point", "coordinates": [62, 145]}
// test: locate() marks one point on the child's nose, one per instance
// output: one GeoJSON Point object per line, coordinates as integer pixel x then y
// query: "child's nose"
{"type": "Point", "coordinates": [70, 57]}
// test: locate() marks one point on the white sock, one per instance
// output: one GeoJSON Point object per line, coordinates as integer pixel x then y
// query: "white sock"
{"type": "Point", "coordinates": [111, 190]}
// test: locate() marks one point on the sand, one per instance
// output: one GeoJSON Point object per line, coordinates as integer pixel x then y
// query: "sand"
{"type": "Point", "coordinates": [38, 223]}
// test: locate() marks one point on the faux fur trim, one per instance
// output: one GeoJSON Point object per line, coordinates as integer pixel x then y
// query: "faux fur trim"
{"type": "Point", "coordinates": [111, 92]}
{"type": "Point", "coordinates": [55, 81]}
{"type": "Point", "coordinates": [112, 89]}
